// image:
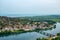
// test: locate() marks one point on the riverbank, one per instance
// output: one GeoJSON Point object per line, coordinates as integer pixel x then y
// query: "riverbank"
{"type": "Point", "coordinates": [7, 33]}
{"type": "Point", "coordinates": [15, 32]}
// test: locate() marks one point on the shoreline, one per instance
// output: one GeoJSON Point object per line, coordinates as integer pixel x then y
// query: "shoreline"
{"type": "Point", "coordinates": [7, 33]}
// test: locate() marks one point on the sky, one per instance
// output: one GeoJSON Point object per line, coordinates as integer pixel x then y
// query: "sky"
{"type": "Point", "coordinates": [29, 7]}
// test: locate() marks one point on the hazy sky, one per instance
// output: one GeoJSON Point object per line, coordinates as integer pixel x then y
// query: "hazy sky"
{"type": "Point", "coordinates": [29, 7]}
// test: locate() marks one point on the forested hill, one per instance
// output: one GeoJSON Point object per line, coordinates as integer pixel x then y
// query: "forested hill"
{"type": "Point", "coordinates": [46, 17]}
{"type": "Point", "coordinates": [37, 18]}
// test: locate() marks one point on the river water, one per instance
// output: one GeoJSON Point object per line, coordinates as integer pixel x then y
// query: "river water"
{"type": "Point", "coordinates": [31, 35]}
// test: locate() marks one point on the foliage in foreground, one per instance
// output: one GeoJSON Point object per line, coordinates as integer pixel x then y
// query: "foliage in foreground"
{"type": "Point", "coordinates": [41, 39]}
{"type": "Point", "coordinates": [57, 38]}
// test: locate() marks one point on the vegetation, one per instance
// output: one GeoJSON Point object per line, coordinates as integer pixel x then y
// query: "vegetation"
{"type": "Point", "coordinates": [41, 29]}
{"type": "Point", "coordinates": [19, 22]}
{"type": "Point", "coordinates": [16, 32]}
{"type": "Point", "coordinates": [57, 38]}
{"type": "Point", "coordinates": [58, 34]}
{"type": "Point", "coordinates": [6, 33]}
{"type": "Point", "coordinates": [41, 39]}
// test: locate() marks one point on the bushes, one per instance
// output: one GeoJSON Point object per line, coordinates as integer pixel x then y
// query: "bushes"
{"type": "Point", "coordinates": [57, 38]}
{"type": "Point", "coordinates": [41, 39]}
{"type": "Point", "coordinates": [5, 33]}
{"type": "Point", "coordinates": [58, 34]}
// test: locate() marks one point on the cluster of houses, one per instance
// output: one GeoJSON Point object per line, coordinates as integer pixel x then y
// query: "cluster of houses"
{"type": "Point", "coordinates": [35, 25]}
{"type": "Point", "coordinates": [26, 27]}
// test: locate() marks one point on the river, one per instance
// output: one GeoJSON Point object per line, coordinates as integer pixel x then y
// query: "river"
{"type": "Point", "coordinates": [31, 35]}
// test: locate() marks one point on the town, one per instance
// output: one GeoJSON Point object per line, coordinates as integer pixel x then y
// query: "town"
{"type": "Point", "coordinates": [11, 24]}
